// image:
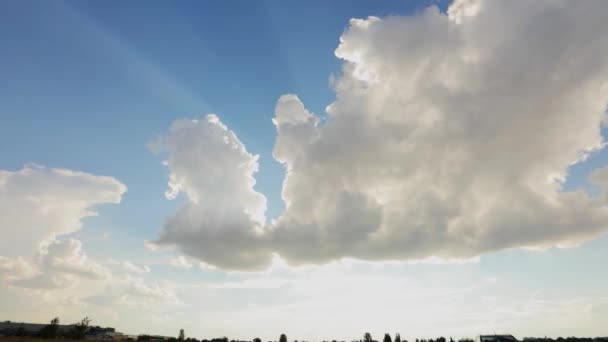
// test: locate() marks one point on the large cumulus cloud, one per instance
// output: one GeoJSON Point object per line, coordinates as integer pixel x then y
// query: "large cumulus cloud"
{"type": "Point", "coordinates": [222, 218]}
{"type": "Point", "coordinates": [450, 136]}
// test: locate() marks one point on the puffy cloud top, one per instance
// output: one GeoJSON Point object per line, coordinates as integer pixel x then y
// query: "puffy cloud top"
{"type": "Point", "coordinates": [450, 136]}
{"type": "Point", "coordinates": [222, 213]}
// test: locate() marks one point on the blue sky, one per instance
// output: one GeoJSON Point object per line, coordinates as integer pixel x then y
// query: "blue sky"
{"type": "Point", "coordinates": [88, 85]}
{"type": "Point", "coordinates": [112, 77]}
{"type": "Point", "coordinates": [107, 79]}
{"type": "Point", "coordinates": [132, 70]}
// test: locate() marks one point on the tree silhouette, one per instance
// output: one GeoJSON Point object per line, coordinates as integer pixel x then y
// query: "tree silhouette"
{"type": "Point", "coordinates": [21, 331]}
{"type": "Point", "coordinates": [367, 337]}
{"type": "Point", "coordinates": [257, 339]}
{"type": "Point", "coordinates": [283, 338]}
{"type": "Point", "coordinates": [397, 337]}
{"type": "Point", "coordinates": [387, 338]}
{"type": "Point", "coordinates": [79, 329]}
{"type": "Point", "coordinates": [182, 336]}
{"type": "Point", "coordinates": [50, 330]}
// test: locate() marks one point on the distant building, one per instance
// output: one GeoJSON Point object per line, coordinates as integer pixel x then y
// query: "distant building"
{"type": "Point", "coordinates": [8, 328]}
{"type": "Point", "coordinates": [497, 338]}
{"type": "Point", "coordinates": [153, 338]}
{"type": "Point", "coordinates": [99, 333]}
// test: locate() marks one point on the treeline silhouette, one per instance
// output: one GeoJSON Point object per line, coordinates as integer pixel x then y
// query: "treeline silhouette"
{"type": "Point", "coordinates": [83, 329]}
{"type": "Point", "coordinates": [367, 337]}
{"type": "Point", "coordinates": [566, 339]}
{"type": "Point", "coordinates": [53, 330]}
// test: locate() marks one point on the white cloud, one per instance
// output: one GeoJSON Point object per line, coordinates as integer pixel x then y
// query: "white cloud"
{"type": "Point", "coordinates": [37, 204]}
{"type": "Point", "coordinates": [135, 268]}
{"type": "Point", "coordinates": [450, 136]}
{"type": "Point", "coordinates": [222, 213]}
{"type": "Point", "coordinates": [15, 268]}
{"type": "Point", "coordinates": [180, 261]}
{"type": "Point", "coordinates": [133, 291]}
{"type": "Point", "coordinates": [70, 284]}
{"type": "Point", "coordinates": [155, 291]}
{"type": "Point", "coordinates": [150, 246]}
{"type": "Point", "coordinates": [446, 149]}
{"type": "Point", "coordinates": [61, 264]}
